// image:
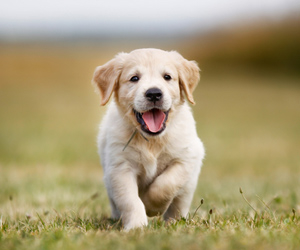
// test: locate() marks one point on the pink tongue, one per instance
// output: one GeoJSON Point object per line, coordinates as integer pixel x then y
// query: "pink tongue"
{"type": "Point", "coordinates": [154, 119]}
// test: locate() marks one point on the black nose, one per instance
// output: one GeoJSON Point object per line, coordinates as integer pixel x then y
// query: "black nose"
{"type": "Point", "coordinates": [153, 94]}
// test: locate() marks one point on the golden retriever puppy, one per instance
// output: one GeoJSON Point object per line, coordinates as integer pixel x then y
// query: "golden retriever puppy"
{"type": "Point", "coordinates": [148, 144]}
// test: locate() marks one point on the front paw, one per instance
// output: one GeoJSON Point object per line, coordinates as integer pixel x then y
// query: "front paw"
{"type": "Point", "coordinates": [135, 218]}
{"type": "Point", "coordinates": [155, 204]}
{"type": "Point", "coordinates": [136, 222]}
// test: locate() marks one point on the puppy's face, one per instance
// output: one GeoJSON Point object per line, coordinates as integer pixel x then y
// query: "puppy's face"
{"type": "Point", "coordinates": [149, 89]}
{"type": "Point", "coordinates": [148, 85]}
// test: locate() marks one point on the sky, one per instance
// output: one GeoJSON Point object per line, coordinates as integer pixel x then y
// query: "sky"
{"type": "Point", "coordinates": [38, 18]}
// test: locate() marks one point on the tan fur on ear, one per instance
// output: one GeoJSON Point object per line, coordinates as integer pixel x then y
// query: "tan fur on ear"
{"type": "Point", "coordinates": [107, 76]}
{"type": "Point", "coordinates": [188, 76]}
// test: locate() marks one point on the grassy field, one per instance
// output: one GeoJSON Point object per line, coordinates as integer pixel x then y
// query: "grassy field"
{"type": "Point", "coordinates": [51, 190]}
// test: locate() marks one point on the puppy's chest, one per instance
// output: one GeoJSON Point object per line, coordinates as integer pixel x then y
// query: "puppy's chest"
{"type": "Point", "coordinates": [151, 166]}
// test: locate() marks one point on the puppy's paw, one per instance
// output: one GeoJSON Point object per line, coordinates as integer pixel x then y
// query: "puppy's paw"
{"type": "Point", "coordinates": [156, 203]}
{"type": "Point", "coordinates": [136, 221]}
{"type": "Point", "coordinates": [135, 218]}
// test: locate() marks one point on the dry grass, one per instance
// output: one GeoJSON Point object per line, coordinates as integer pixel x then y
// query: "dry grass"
{"type": "Point", "coordinates": [52, 195]}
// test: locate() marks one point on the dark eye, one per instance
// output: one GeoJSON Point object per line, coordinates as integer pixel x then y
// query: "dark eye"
{"type": "Point", "coordinates": [134, 79]}
{"type": "Point", "coordinates": [167, 77]}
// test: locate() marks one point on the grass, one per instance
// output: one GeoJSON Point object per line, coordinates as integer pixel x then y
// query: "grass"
{"type": "Point", "coordinates": [51, 190]}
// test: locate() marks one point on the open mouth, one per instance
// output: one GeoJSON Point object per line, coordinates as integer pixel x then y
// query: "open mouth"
{"type": "Point", "coordinates": [152, 121]}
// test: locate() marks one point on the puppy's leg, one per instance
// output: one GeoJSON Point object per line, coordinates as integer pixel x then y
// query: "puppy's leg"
{"type": "Point", "coordinates": [115, 214]}
{"type": "Point", "coordinates": [180, 206]}
{"type": "Point", "coordinates": [181, 203]}
{"type": "Point", "coordinates": [124, 194]}
{"type": "Point", "coordinates": [165, 188]}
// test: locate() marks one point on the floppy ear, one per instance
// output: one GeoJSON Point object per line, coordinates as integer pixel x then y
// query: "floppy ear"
{"type": "Point", "coordinates": [188, 76]}
{"type": "Point", "coordinates": [106, 78]}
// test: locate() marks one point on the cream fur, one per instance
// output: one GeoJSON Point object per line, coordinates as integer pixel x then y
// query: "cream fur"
{"type": "Point", "coordinates": [157, 176]}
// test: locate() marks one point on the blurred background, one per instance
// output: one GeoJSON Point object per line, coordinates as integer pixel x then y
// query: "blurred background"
{"type": "Point", "coordinates": [248, 99]}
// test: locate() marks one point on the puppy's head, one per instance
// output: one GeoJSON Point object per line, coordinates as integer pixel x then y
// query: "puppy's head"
{"type": "Point", "coordinates": [149, 84]}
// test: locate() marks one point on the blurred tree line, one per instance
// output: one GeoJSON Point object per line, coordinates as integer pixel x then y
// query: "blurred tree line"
{"type": "Point", "coordinates": [262, 46]}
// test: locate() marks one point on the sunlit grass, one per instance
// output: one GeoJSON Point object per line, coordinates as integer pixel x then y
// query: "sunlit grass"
{"type": "Point", "coordinates": [51, 191]}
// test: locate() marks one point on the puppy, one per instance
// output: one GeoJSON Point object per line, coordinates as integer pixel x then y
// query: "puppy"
{"type": "Point", "coordinates": [148, 144]}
